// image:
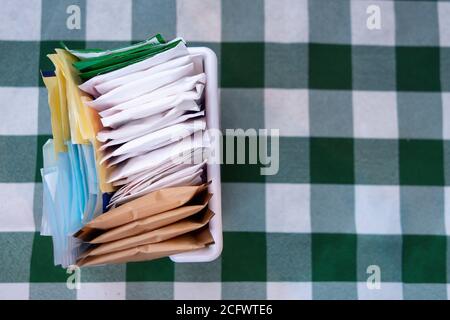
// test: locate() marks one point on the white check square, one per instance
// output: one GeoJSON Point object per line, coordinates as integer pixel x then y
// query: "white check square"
{"type": "Point", "coordinates": [14, 291]}
{"type": "Point", "coordinates": [288, 111]}
{"type": "Point", "coordinates": [101, 291]}
{"type": "Point", "coordinates": [446, 115]}
{"type": "Point", "coordinates": [286, 21]}
{"type": "Point", "coordinates": [447, 210]}
{"type": "Point", "coordinates": [197, 291]}
{"type": "Point", "coordinates": [21, 20]}
{"type": "Point", "coordinates": [288, 207]}
{"type": "Point", "coordinates": [17, 207]}
{"type": "Point", "coordinates": [375, 114]}
{"type": "Point", "coordinates": [289, 291]}
{"type": "Point", "coordinates": [19, 113]}
{"type": "Point", "coordinates": [199, 20]}
{"type": "Point", "coordinates": [444, 23]}
{"type": "Point", "coordinates": [377, 209]}
{"type": "Point", "coordinates": [108, 20]}
{"type": "Point", "coordinates": [373, 22]}
{"type": "Point", "coordinates": [387, 291]}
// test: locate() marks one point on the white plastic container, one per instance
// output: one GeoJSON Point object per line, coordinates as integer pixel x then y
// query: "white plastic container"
{"type": "Point", "coordinates": [212, 111]}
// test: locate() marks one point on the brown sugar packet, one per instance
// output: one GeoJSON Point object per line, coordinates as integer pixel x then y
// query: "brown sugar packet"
{"type": "Point", "coordinates": [196, 204]}
{"type": "Point", "coordinates": [145, 206]}
{"type": "Point", "coordinates": [186, 242]}
{"type": "Point", "coordinates": [153, 222]}
{"type": "Point", "coordinates": [168, 232]}
{"type": "Point", "coordinates": [86, 233]}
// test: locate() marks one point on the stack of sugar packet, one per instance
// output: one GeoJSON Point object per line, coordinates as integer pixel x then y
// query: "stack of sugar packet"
{"type": "Point", "coordinates": [124, 175]}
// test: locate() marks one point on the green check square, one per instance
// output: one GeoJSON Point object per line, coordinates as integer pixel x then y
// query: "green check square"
{"type": "Point", "coordinates": [19, 61]}
{"type": "Point", "coordinates": [52, 291]}
{"type": "Point", "coordinates": [231, 171]}
{"type": "Point", "coordinates": [331, 160]}
{"type": "Point", "coordinates": [242, 65]}
{"type": "Point", "coordinates": [421, 162]}
{"type": "Point", "coordinates": [15, 256]}
{"type": "Point", "coordinates": [293, 161]}
{"type": "Point", "coordinates": [244, 256]}
{"type": "Point", "coordinates": [330, 66]}
{"type": "Point", "coordinates": [241, 173]}
{"type": "Point", "coordinates": [48, 47]}
{"type": "Point", "coordinates": [333, 257]}
{"type": "Point", "coordinates": [424, 259]}
{"type": "Point", "coordinates": [105, 273]}
{"type": "Point", "coordinates": [155, 270]}
{"type": "Point", "coordinates": [18, 158]}
{"type": "Point", "coordinates": [42, 263]}
{"type": "Point", "coordinates": [418, 69]}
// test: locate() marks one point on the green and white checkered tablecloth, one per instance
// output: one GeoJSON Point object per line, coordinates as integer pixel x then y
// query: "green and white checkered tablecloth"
{"type": "Point", "coordinates": [364, 150]}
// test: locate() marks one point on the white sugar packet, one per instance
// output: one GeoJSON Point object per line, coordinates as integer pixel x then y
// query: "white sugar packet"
{"type": "Point", "coordinates": [155, 158]}
{"type": "Point", "coordinates": [184, 100]}
{"type": "Point", "coordinates": [139, 87]}
{"type": "Point", "coordinates": [179, 171]}
{"type": "Point", "coordinates": [169, 163]}
{"type": "Point", "coordinates": [145, 180]}
{"type": "Point", "coordinates": [136, 128]}
{"type": "Point", "coordinates": [154, 140]}
{"type": "Point", "coordinates": [178, 51]}
{"type": "Point", "coordinates": [181, 85]}
{"type": "Point", "coordinates": [176, 179]}
{"type": "Point", "coordinates": [165, 135]}
{"type": "Point", "coordinates": [107, 86]}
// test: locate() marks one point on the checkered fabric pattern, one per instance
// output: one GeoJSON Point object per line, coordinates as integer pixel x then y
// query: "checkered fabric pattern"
{"type": "Point", "coordinates": [364, 175]}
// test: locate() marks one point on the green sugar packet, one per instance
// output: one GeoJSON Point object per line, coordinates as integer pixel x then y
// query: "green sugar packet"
{"type": "Point", "coordinates": [85, 54]}
{"type": "Point", "coordinates": [121, 62]}
{"type": "Point", "coordinates": [102, 62]}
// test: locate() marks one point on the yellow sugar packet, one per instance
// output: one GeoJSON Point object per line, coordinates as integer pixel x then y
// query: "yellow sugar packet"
{"type": "Point", "coordinates": [70, 126]}
{"type": "Point", "coordinates": [51, 83]}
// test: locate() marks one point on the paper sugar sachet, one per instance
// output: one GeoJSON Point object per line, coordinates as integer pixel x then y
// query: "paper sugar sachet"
{"type": "Point", "coordinates": [51, 82]}
{"type": "Point", "coordinates": [158, 235]}
{"type": "Point", "coordinates": [104, 65]}
{"type": "Point", "coordinates": [184, 243]}
{"type": "Point", "coordinates": [153, 222]}
{"type": "Point", "coordinates": [175, 52]}
{"type": "Point", "coordinates": [193, 206]}
{"type": "Point", "coordinates": [82, 123]}
{"type": "Point", "coordinates": [117, 57]}
{"type": "Point", "coordinates": [97, 59]}
{"type": "Point", "coordinates": [158, 157]}
{"type": "Point", "coordinates": [140, 127]}
{"type": "Point", "coordinates": [135, 129]}
{"type": "Point", "coordinates": [153, 203]}
{"type": "Point", "coordinates": [68, 198]}
{"type": "Point", "coordinates": [83, 54]}
{"type": "Point", "coordinates": [159, 138]}
{"type": "Point", "coordinates": [71, 121]}
{"type": "Point", "coordinates": [186, 101]}
{"type": "Point", "coordinates": [75, 97]}
{"type": "Point", "coordinates": [107, 86]}
{"type": "Point", "coordinates": [192, 83]}
{"type": "Point", "coordinates": [141, 86]}
{"type": "Point", "coordinates": [152, 177]}
{"type": "Point", "coordinates": [190, 175]}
